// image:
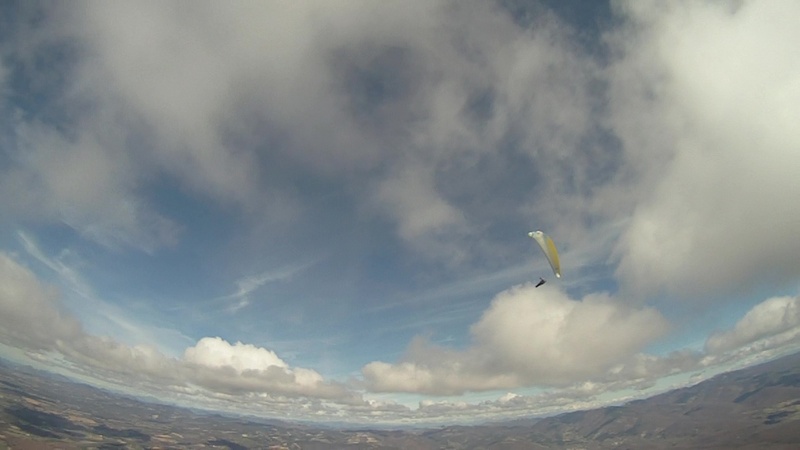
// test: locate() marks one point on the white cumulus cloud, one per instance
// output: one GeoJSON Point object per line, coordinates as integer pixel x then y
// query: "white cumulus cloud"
{"type": "Point", "coordinates": [216, 352]}
{"type": "Point", "coordinates": [768, 319]}
{"type": "Point", "coordinates": [528, 336]}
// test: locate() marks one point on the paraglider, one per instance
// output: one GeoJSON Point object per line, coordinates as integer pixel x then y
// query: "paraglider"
{"type": "Point", "coordinates": [549, 249]}
{"type": "Point", "coordinates": [541, 282]}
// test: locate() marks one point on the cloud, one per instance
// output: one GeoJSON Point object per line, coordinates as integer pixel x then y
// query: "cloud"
{"type": "Point", "coordinates": [703, 100]}
{"type": "Point", "coordinates": [585, 350]}
{"type": "Point", "coordinates": [78, 180]}
{"type": "Point", "coordinates": [776, 320]}
{"type": "Point", "coordinates": [32, 320]}
{"type": "Point", "coordinates": [459, 96]}
{"type": "Point", "coordinates": [216, 352]}
{"type": "Point", "coordinates": [98, 316]}
{"type": "Point", "coordinates": [224, 104]}
{"type": "Point", "coordinates": [768, 330]}
{"type": "Point", "coordinates": [419, 209]}
{"type": "Point", "coordinates": [242, 368]}
{"type": "Point", "coordinates": [245, 286]}
{"type": "Point", "coordinates": [64, 153]}
{"type": "Point", "coordinates": [528, 336]}
{"type": "Point", "coordinates": [29, 316]}
{"type": "Point", "coordinates": [549, 336]}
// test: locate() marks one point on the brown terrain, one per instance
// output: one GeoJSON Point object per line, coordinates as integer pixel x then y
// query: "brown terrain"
{"type": "Point", "coordinates": [754, 408]}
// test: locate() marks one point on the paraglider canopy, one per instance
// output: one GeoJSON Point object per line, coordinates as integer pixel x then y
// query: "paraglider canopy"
{"type": "Point", "coordinates": [549, 249]}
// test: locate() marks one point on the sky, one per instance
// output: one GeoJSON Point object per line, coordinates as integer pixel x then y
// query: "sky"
{"type": "Point", "coordinates": [319, 211]}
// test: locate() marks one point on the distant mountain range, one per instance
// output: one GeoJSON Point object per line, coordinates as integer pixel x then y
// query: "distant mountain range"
{"type": "Point", "coordinates": [753, 408]}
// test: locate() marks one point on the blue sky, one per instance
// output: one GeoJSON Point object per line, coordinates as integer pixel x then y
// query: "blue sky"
{"type": "Point", "coordinates": [319, 210]}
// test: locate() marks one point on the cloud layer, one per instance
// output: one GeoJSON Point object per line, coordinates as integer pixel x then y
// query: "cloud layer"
{"type": "Point", "coordinates": [528, 337]}
{"type": "Point", "coordinates": [420, 111]}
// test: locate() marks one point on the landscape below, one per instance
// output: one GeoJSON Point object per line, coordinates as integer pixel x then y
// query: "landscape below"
{"type": "Point", "coordinates": [753, 408]}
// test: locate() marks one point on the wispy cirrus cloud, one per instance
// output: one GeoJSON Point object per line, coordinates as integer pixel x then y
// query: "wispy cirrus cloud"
{"type": "Point", "coordinates": [247, 285]}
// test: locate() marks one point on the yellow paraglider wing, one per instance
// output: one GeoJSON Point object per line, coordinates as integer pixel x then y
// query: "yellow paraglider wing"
{"type": "Point", "coordinates": [552, 256]}
{"type": "Point", "coordinates": [549, 248]}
